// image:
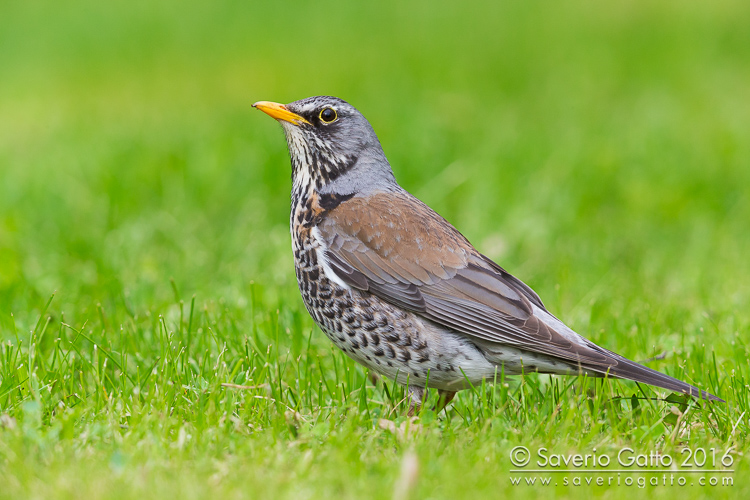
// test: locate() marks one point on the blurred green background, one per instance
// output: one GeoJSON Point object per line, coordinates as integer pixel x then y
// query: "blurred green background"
{"type": "Point", "coordinates": [563, 138]}
{"type": "Point", "coordinates": [597, 150]}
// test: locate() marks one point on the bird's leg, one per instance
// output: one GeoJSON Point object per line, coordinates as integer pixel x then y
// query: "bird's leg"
{"type": "Point", "coordinates": [444, 398]}
{"type": "Point", "coordinates": [416, 395]}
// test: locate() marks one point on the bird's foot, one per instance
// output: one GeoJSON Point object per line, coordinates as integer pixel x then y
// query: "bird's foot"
{"type": "Point", "coordinates": [416, 396]}
{"type": "Point", "coordinates": [444, 399]}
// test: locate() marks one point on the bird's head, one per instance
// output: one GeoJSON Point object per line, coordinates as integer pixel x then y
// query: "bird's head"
{"type": "Point", "coordinates": [328, 141]}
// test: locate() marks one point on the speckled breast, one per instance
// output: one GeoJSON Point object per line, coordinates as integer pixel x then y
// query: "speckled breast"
{"type": "Point", "coordinates": [376, 334]}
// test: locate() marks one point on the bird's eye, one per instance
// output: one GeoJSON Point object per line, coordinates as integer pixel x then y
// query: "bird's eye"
{"type": "Point", "coordinates": [328, 115]}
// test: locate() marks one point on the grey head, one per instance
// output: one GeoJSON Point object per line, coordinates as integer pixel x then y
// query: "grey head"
{"type": "Point", "coordinates": [332, 146]}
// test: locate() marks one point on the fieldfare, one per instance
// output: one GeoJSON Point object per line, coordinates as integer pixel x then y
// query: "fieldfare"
{"type": "Point", "coordinates": [398, 288]}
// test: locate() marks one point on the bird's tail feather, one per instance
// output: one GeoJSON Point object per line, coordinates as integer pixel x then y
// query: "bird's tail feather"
{"type": "Point", "coordinates": [633, 371]}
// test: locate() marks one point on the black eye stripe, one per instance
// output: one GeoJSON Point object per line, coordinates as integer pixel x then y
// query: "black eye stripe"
{"type": "Point", "coordinates": [328, 115]}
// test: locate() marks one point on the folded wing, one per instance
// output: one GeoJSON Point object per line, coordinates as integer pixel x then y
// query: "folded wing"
{"type": "Point", "coordinates": [394, 246]}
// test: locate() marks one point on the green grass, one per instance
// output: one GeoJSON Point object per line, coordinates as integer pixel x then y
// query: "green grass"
{"type": "Point", "coordinates": [597, 150]}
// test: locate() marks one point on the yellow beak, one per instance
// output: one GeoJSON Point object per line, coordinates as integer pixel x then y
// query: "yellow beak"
{"type": "Point", "coordinates": [279, 111]}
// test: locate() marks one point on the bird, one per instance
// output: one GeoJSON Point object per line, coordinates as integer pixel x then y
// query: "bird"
{"type": "Point", "coordinates": [400, 290]}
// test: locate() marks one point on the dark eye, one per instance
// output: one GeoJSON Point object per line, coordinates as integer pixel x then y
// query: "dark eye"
{"type": "Point", "coordinates": [328, 115]}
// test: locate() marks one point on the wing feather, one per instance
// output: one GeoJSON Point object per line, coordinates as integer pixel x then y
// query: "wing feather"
{"type": "Point", "coordinates": [394, 246]}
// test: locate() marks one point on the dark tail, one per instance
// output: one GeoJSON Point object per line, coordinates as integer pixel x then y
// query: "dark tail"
{"type": "Point", "coordinates": [624, 368]}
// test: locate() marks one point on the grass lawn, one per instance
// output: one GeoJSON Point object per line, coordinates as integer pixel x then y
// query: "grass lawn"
{"type": "Point", "coordinates": [153, 342]}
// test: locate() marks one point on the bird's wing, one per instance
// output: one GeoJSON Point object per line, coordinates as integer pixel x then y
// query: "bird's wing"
{"type": "Point", "coordinates": [394, 246]}
{"type": "Point", "coordinates": [397, 248]}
